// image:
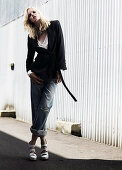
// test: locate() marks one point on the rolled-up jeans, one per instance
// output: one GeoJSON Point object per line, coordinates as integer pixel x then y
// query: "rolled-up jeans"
{"type": "Point", "coordinates": [42, 96]}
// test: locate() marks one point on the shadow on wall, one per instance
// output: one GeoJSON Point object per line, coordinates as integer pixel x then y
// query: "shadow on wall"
{"type": "Point", "coordinates": [14, 156]}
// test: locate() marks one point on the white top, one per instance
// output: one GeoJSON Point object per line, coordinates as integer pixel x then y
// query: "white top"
{"type": "Point", "coordinates": [44, 44]}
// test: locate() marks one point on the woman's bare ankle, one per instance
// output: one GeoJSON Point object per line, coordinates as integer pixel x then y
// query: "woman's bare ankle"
{"type": "Point", "coordinates": [32, 142]}
{"type": "Point", "coordinates": [43, 140]}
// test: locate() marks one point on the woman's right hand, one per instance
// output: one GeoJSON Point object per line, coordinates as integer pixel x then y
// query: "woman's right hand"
{"type": "Point", "coordinates": [35, 79]}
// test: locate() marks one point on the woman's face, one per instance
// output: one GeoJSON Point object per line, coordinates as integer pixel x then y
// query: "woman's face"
{"type": "Point", "coordinates": [33, 15]}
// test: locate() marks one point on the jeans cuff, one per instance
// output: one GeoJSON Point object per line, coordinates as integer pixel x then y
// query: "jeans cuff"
{"type": "Point", "coordinates": [39, 133]}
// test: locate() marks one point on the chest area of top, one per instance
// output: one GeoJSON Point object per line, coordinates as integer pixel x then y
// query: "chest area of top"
{"type": "Point", "coordinates": [51, 37]}
{"type": "Point", "coordinates": [42, 37]}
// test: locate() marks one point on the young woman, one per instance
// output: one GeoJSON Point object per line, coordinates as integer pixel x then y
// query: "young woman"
{"type": "Point", "coordinates": [46, 38]}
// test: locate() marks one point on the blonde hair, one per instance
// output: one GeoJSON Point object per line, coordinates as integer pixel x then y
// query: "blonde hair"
{"type": "Point", "coordinates": [30, 27]}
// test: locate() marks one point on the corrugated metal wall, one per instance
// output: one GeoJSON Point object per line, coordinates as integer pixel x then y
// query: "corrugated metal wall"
{"type": "Point", "coordinates": [13, 9]}
{"type": "Point", "coordinates": [93, 43]}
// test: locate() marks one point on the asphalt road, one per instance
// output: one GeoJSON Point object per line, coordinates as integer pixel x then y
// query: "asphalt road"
{"type": "Point", "coordinates": [66, 152]}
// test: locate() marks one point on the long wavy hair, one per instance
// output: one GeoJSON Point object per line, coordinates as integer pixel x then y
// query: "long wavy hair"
{"type": "Point", "coordinates": [31, 28]}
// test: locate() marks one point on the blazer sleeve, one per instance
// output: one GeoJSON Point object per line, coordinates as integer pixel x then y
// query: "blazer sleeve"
{"type": "Point", "coordinates": [60, 51]}
{"type": "Point", "coordinates": [30, 54]}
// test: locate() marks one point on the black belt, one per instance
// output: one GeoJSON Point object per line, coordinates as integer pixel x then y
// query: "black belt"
{"type": "Point", "coordinates": [66, 86]}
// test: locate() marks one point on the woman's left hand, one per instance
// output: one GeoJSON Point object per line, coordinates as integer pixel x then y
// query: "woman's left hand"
{"type": "Point", "coordinates": [58, 78]}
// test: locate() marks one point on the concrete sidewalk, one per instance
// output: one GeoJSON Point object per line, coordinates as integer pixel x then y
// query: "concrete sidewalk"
{"type": "Point", "coordinates": [66, 152]}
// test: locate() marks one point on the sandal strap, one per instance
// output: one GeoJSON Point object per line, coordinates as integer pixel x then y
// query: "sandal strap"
{"type": "Point", "coordinates": [44, 144]}
{"type": "Point", "coordinates": [32, 150]}
{"type": "Point", "coordinates": [43, 149]}
{"type": "Point", "coordinates": [32, 154]}
{"type": "Point", "coordinates": [43, 154]}
{"type": "Point", "coordinates": [31, 146]}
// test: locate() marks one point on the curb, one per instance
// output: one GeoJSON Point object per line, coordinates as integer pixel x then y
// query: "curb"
{"type": "Point", "coordinates": [69, 128]}
{"type": "Point", "coordinates": [8, 113]}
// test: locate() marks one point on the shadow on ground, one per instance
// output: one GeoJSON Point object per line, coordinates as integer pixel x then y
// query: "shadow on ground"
{"type": "Point", "coordinates": [14, 156]}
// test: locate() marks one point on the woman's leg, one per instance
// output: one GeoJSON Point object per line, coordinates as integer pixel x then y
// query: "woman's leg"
{"type": "Point", "coordinates": [41, 110]}
{"type": "Point", "coordinates": [43, 138]}
{"type": "Point", "coordinates": [40, 114]}
{"type": "Point", "coordinates": [35, 100]}
{"type": "Point", "coordinates": [41, 103]}
{"type": "Point", "coordinates": [33, 140]}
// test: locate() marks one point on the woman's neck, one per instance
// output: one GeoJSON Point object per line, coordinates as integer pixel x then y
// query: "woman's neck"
{"type": "Point", "coordinates": [37, 24]}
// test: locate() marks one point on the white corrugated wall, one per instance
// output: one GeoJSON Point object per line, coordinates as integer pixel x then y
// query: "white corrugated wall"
{"type": "Point", "coordinates": [93, 44]}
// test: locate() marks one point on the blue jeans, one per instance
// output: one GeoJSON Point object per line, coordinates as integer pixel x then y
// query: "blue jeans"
{"type": "Point", "coordinates": [41, 102]}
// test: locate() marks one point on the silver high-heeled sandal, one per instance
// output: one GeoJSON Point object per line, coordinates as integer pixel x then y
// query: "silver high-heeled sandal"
{"type": "Point", "coordinates": [44, 155]}
{"type": "Point", "coordinates": [32, 154]}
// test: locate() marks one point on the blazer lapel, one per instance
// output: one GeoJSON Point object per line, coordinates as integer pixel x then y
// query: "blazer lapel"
{"type": "Point", "coordinates": [49, 37]}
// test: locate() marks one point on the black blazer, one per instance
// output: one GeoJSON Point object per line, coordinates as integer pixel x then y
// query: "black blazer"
{"type": "Point", "coordinates": [55, 53]}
